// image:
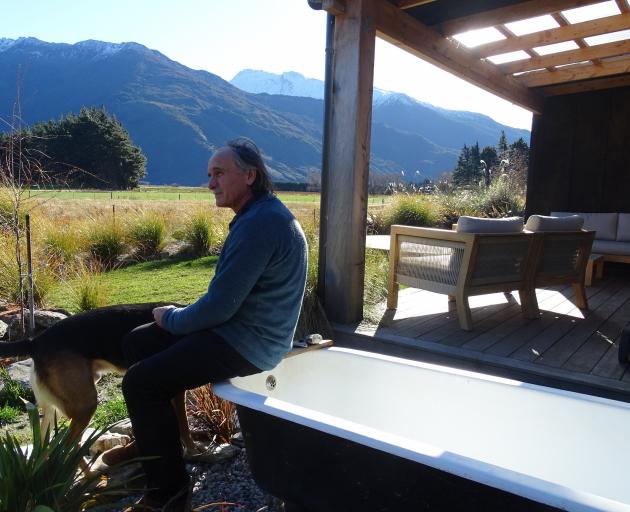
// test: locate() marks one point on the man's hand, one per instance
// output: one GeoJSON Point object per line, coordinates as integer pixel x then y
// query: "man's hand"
{"type": "Point", "coordinates": [158, 313]}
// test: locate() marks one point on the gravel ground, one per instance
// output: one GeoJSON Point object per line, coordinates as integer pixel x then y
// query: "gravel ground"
{"type": "Point", "coordinates": [227, 482]}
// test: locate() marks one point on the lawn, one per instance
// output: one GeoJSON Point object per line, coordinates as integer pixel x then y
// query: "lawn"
{"type": "Point", "coordinates": [168, 280]}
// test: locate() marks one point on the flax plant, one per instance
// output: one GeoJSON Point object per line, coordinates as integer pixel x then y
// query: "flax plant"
{"type": "Point", "coordinates": [44, 477]}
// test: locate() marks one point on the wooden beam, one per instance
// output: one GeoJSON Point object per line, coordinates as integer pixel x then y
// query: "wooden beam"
{"type": "Point", "coordinates": [623, 5]}
{"type": "Point", "coordinates": [404, 31]}
{"type": "Point", "coordinates": [408, 4]}
{"type": "Point", "coordinates": [563, 22]}
{"type": "Point", "coordinates": [349, 153]}
{"type": "Point", "coordinates": [568, 57]}
{"type": "Point", "coordinates": [556, 35]}
{"type": "Point", "coordinates": [334, 7]}
{"type": "Point", "coordinates": [586, 85]}
{"type": "Point", "coordinates": [573, 73]}
{"type": "Point", "coordinates": [521, 11]}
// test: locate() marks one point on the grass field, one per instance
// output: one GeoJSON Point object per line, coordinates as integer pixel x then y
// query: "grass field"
{"type": "Point", "coordinates": [171, 194]}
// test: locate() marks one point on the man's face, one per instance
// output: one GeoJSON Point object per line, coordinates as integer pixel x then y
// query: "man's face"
{"type": "Point", "coordinates": [229, 184]}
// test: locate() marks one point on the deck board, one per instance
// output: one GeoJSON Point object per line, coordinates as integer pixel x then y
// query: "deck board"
{"type": "Point", "coordinates": [560, 325]}
{"type": "Point", "coordinates": [564, 343]}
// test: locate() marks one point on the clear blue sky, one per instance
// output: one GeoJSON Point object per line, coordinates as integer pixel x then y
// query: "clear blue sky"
{"type": "Point", "coordinates": [226, 36]}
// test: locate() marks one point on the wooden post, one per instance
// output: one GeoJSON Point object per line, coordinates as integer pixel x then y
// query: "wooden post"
{"type": "Point", "coordinates": [349, 152]}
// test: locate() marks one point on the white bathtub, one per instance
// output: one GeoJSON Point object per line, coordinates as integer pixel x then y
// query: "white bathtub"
{"type": "Point", "coordinates": [562, 449]}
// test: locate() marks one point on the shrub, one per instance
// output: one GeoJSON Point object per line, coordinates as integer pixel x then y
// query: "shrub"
{"type": "Point", "coordinates": [219, 415]}
{"type": "Point", "coordinates": [454, 204]}
{"type": "Point", "coordinates": [375, 284]}
{"type": "Point", "coordinates": [377, 221]}
{"type": "Point", "coordinates": [45, 478]}
{"type": "Point", "coordinates": [109, 412]}
{"type": "Point", "coordinates": [8, 414]}
{"type": "Point", "coordinates": [312, 317]}
{"type": "Point", "coordinates": [202, 234]}
{"type": "Point", "coordinates": [502, 198]}
{"type": "Point", "coordinates": [43, 276]}
{"type": "Point", "coordinates": [62, 246]}
{"type": "Point", "coordinates": [89, 289]}
{"type": "Point", "coordinates": [411, 210]}
{"type": "Point", "coordinates": [146, 235]}
{"type": "Point", "coordinates": [105, 243]}
{"type": "Point", "coordinates": [7, 210]}
{"type": "Point", "coordinates": [13, 393]}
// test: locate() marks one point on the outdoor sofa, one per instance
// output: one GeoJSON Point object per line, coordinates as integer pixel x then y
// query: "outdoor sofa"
{"type": "Point", "coordinates": [612, 238]}
{"type": "Point", "coordinates": [486, 256]}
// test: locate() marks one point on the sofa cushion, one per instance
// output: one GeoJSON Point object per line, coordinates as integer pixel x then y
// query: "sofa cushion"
{"type": "Point", "coordinates": [623, 228]}
{"type": "Point", "coordinates": [467, 224]}
{"type": "Point", "coordinates": [545, 223]}
{"type": "Point", "coordinates": [611, 247]}
{"type": "Point", "coordinates": [604, 224]}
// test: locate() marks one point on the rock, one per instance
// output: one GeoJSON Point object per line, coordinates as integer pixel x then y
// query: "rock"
{"type": "Point", "coordinates": [123, 428]}
{"type": "Point", "coordinates": [107, 441]}
{"type": "Point", "coordinates": [237, 440]}
{"type": "Point", "coordinates": [3, 329]}
{"type": "Point", "coordinates": [215, 454]}
{"type": "Point", "coordinates": [43, 320]}
{"type": "Point", "coordinates": [20, 372]}
{"type": "Point", "coordinates": [173, 249]}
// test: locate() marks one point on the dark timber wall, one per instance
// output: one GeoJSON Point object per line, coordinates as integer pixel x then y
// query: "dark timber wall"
{"type": "Point", "coordinates": [580, 159]}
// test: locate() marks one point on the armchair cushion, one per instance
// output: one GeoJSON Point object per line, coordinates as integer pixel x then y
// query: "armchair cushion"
{"type": "Point", "coordinates": [467, 224]}
{"type": "Point", "coordinates": [545, 223]}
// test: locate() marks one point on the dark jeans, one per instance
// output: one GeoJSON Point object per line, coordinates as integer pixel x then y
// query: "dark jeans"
{"type": "Point", "coordinates": [162, 365]}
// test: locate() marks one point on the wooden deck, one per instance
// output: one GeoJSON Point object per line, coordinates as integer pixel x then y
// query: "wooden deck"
{"type": "Point", "coordinates": [565, 347]}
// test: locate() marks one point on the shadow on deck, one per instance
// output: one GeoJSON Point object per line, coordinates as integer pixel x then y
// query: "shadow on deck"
{"type": "Point", "coordinates": [565, 347]}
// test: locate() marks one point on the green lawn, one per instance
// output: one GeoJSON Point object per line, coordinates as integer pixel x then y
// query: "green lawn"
{"type": "Point", "coordinates": [162, 280]}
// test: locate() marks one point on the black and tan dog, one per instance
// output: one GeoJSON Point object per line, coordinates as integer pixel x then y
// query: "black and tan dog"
{"type": "Point", "coordinates": [70, 356]}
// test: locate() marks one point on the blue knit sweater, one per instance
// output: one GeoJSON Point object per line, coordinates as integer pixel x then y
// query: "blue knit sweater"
{"type": "Point", "coordinates": [254, 299]}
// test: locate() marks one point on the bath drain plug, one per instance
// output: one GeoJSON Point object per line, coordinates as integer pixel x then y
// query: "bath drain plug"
{"type": "Point", "coordinates": [271, 383]}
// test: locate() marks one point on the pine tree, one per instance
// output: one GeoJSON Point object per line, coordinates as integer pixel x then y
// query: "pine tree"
{"type": "Point", "coordinates": [468, 170]}
{"type": "Point", "coordinates": [502, 146]}
{"type": "Point", "coordinates": [490, 160]}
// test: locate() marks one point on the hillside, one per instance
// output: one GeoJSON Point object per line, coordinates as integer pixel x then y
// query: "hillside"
{"type": "Point", "coordinates": [178, 115]}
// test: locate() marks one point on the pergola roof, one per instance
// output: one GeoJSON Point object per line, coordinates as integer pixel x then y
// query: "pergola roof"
{"type": "Point", "coordinates": [518, 63]}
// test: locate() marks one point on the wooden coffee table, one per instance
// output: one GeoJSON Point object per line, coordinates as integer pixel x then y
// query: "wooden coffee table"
{"type": "Point", "coordinates": [595, 262]}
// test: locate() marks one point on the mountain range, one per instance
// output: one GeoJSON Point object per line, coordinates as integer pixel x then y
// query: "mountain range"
{"type": "Point", "coordinates": [178, 115]}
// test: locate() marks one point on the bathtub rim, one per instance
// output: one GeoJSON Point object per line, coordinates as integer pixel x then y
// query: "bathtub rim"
{"type": "Point", "coordinates": [511, 481]}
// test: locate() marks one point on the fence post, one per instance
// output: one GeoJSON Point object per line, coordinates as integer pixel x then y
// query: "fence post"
{"type": "Point", "coordinates": [29, 263]}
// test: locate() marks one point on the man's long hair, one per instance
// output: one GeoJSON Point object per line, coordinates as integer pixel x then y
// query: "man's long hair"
{"type": "Point", "coordinates": [247, 156]}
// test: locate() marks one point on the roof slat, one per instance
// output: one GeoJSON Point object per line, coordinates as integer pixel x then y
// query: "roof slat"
{"type": "Point", "coordinates": [406, 32]}
{"type": "Point", "coordinates": [574, 73]}
{"type": "Point", "coordinates": [556, 35]}
{"type": "Point", "coordinates": [508, 14]}
{"type": "Point", "coordinates": [623, 5]}
{"type": "Point", "coordinates": [568, 57]}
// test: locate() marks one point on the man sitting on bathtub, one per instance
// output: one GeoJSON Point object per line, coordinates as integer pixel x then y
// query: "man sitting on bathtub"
{"type": "Point", "coordinates": [242, 325]}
